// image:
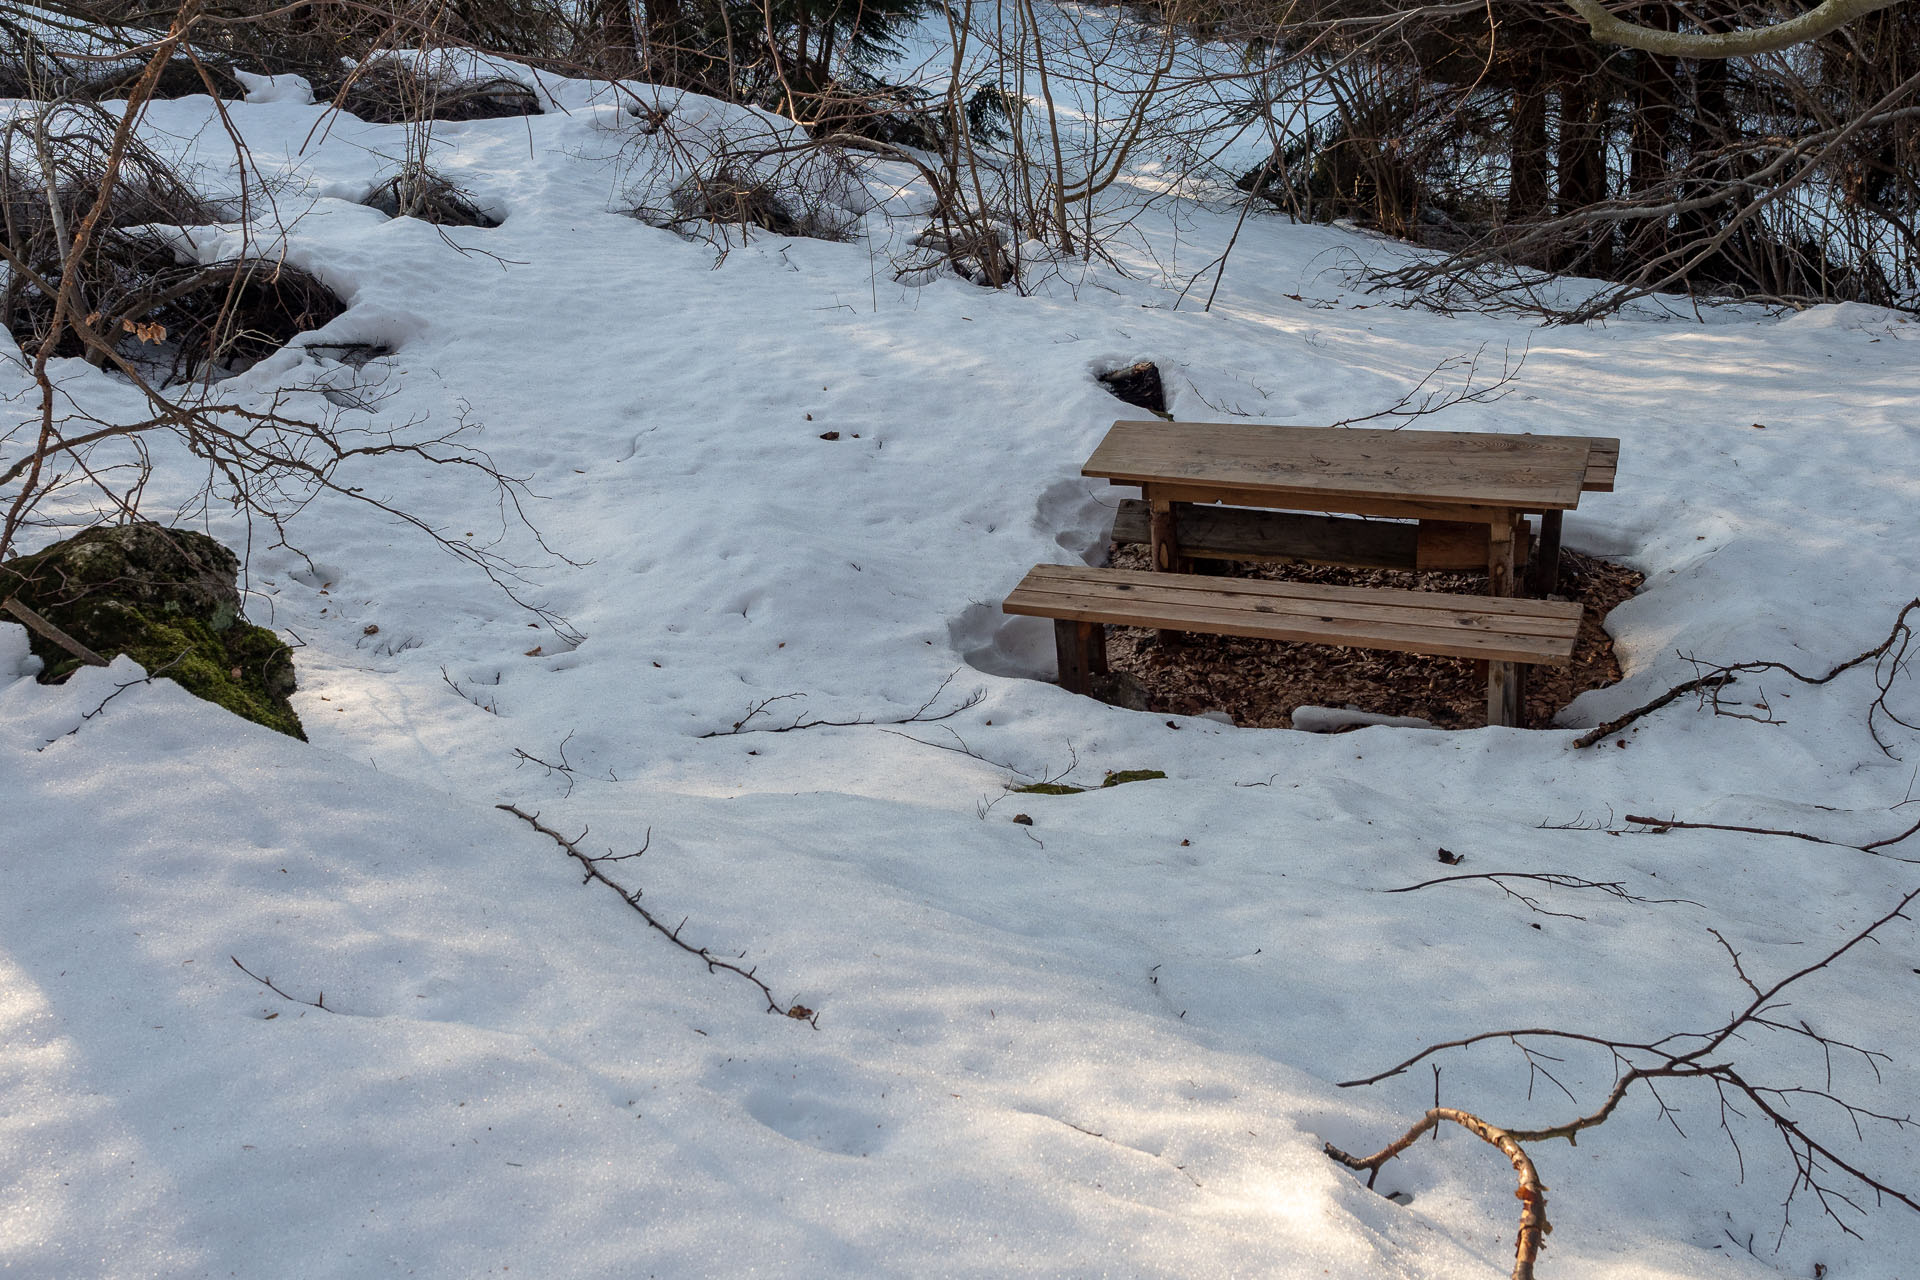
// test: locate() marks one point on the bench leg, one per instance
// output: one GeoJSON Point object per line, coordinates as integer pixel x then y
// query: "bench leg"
{"type": "Point", "coordinates": [1503, 678]}
{"type": "Point", "coordinates": [1506, 694]}
{"type": "Point", "coordinates": [1543, 575]}
{"type": "Point", "coordinates": [1081, 648]}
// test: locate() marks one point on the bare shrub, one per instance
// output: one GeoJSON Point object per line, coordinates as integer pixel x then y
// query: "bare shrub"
{"type": "Point", "coordinates": [140, 291]}
{"type": "Point", "coordinates": [416, 191]}
{"type": "Point", "coordinates": [706, 203]}
{"type": "Point", "coordinates": [396, 89]}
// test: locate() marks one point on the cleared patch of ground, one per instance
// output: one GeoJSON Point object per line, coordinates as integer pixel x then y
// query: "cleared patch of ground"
{"type": "Point", "coordinates": [1260, 682]}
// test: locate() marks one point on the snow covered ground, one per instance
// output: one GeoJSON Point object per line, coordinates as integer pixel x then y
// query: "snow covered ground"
{"type": "Point", "coordinates": [1106, 1043]}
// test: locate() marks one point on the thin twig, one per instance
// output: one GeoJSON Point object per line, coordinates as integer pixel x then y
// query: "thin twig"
{"type": "Point", "coordinates": [318, 1002]}
{"type": "Point", "coordinates": [631, 897]}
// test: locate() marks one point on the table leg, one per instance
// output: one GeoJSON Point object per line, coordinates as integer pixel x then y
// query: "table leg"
{"type": "Point", "coordinates": [1543, 575]}
{"type": "Point", "coordinates": [1500, 557]}
{"type": "Point", "coordinates": [1503, 678]}
{"type": "Point", "coordinates": [1164, 537]}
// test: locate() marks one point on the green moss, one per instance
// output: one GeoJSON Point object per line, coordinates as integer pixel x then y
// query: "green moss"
{"type": "Point", "coordinates": [166, 599]}
{"type": "Point", "coordinates": [1113, 779]}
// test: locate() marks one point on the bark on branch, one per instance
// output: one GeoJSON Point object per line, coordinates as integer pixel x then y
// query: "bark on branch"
{"type": "Point", "coordinates": [1531, 1194]}
{"type": "Point", "coordinates": [1828, 16]}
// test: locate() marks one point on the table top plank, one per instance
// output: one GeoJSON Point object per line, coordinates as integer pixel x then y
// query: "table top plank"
{"type": "Point", "coordinates": [1602, 465]}
{"type": "Point", "coordinates": [1317, 467]}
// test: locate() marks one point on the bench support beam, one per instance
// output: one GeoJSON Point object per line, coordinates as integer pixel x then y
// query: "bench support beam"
{"type": "Point", "coordinates": [1203, 533]}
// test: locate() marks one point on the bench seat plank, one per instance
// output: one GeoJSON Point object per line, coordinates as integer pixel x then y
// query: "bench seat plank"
{"type": "Point", "coordinates": [1496, 629]}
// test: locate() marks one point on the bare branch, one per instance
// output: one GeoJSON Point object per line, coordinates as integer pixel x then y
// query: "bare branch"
{"type": "Point", "coordinates": [1828, 16]}
{"type": "Point", "coordinates": [631, 897]}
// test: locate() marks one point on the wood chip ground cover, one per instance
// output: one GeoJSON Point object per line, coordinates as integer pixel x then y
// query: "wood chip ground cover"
{"type": "Point", "coordinates": [1260, 682]}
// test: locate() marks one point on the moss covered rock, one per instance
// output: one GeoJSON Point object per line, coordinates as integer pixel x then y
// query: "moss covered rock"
{"type": "Point", "coordinates": [168, 599]}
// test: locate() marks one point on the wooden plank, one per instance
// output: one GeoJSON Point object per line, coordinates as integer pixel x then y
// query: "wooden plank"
{"type": "Point", "coordinates": [1370, 635]}
{"type": "Point", "coordinates": [1126, 582]}
{"type": "Point", "coordinates": [1458, 614]}
{"type": "Point", "coordinates": [1450, 544]}
{"type": "Point", "coordinates": [1237, 533]}
{"type": "Point", "coordinates": [1321, 467]}
{"type": "Point", "coordinates": [1391, 508]}
{"type": "Point", "coordinates": [1292, 537]}
{"type": "Point", "coordinates": [1410, 635]}
{"type": "Point", "coordinates": [1463, 627]}
{"type": "Point", "coordinates": [1603, 464]}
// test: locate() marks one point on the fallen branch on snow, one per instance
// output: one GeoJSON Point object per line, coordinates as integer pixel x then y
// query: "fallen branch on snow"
{"type": "Point", "coordinates": [631, 897]}
{"type": "Point", "coordinates": [1709, 1056]}
{"type": "Point", "coordinates": [1709, 685]}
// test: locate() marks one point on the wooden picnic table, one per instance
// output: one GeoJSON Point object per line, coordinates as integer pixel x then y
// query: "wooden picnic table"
{"type": "Point", "coordinates": [1465, 495]}
{"type": "Point", "coordinates": [1467, 489]}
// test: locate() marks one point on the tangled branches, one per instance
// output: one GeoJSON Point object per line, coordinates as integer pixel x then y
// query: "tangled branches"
{"type": "Point", "coordinates": [1712, 1058]}
{"type": "Point", "coordinates": [1558, 880]}
{"type": "Point", "coordinates": [1889, 657]}
{"type": "Point", "coordinates": [94, 249]}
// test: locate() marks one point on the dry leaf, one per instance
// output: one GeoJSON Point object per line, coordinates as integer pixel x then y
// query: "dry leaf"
{"type": "Point", "coordinates": [534, 652]}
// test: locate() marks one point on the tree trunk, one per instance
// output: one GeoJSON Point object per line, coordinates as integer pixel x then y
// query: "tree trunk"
{"type": "Point", "coordinates": [620, 43]}
{"type": "Point", "coordinates": [666, 42]}
{"type": "Point", "coordinates": [1650, 144]}
{"type": "Point", "coordinates": [1527, 180]}
{"type": "Point", "coordinates": [1582, 168]}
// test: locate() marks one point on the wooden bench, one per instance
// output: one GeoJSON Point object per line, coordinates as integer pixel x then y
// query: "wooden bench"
{"type": "Point", "coordinates": [1501, 631]}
